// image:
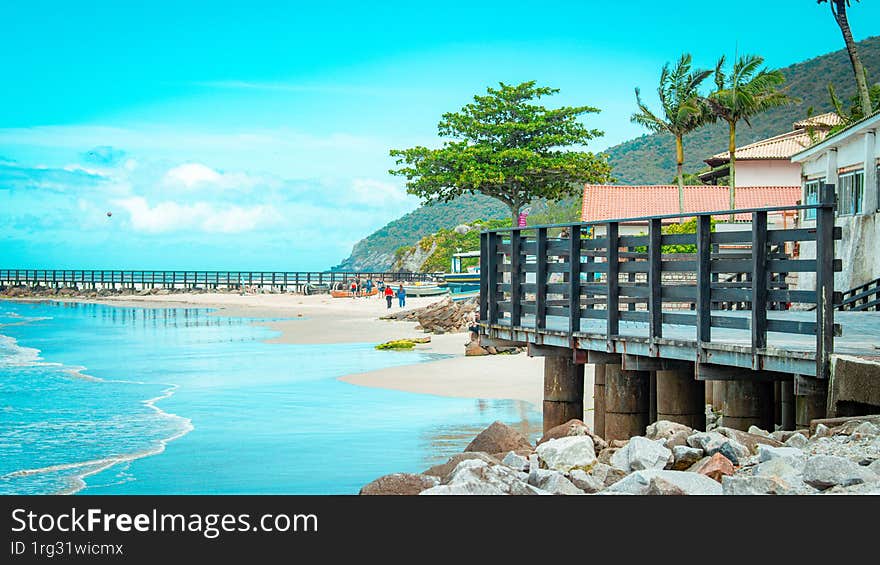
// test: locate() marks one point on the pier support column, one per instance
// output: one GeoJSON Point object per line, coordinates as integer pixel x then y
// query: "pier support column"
{"type": "Point", "coordinates": [811, 400]}
{"type": "Point", "coordinates": [708, 395]}
{"type": "Point", "coordinates": [718, 388]}
{"type": "Point", "coordinates": [748, 403]}
{"type": "Point", "coordinates": [563, 391]}
{"type": "Point", "coordinates": [681, 398]}
{"type": "Point", "coordinates": [652, 397]}
{"type": "Point", "coordinates": [787, 404]}
{"type": "Point", "coordinates": [626, 402]}
{"type": "Point", "coordinates": [599, 400]}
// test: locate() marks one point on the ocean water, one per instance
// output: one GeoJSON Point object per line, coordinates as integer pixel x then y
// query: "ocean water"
{"type": "Point", "coordinates": [117, 400]}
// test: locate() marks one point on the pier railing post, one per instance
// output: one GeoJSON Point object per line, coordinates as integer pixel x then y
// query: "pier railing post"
{"type": "Point", "coordinates": [704, 279]}
{"type": "Point", "coordinates": [655, 301]}
{"type": "Point", "coordinates": [613, 284]}
{"type": "Point", "coordinates": [759, 285]}
{"type": "Point", "coordinates": [515, 277]}
{"type": "Point", "coordinates": [825, 281]}
{"type": "Point", "coordinates": [574, 279]}
{"type": "Point", "coordinates": [541, 280]}
{"type": "Point", "coordinates": [492, 277]}
{"type": "Point", "coordinates": [484, 276]}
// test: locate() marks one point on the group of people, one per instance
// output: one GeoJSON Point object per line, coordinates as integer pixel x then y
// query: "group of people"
{"type": "Point", "coordinates": [366, 289]}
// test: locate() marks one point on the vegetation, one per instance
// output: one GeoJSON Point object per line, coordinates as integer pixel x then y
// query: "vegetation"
{"type": "Point", "coordinates": [505, 146]}
{"type": "Point", "coordinates": [689, 226]}
{"type": "Point", "coordinates": [681, 110]}
{"type": "Point", "coordinates": [445, 243]}
{"type": "Point", "coordinates": [838, 10]}
{"type": "Point", "coordinates": [852, 112]}
{"type": "Point", "coordinates": [650, 159]}
{"type": "Point", "coordinates": [746, 91]}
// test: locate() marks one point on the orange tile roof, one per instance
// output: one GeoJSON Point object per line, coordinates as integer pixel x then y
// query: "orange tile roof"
{"type": "Point", "coordinates": [826, 120]}
{"type": "Point", "coordinates": [778, 147]}
{"type": "Point", "coordinates": [605, 202]}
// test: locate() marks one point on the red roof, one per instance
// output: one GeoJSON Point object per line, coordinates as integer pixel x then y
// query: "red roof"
{"type": "Point", "coordinates": [606, 202]}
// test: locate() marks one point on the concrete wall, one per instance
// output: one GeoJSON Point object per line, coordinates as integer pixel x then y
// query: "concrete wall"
{"type": "Point", "coordinates": [767, 173]}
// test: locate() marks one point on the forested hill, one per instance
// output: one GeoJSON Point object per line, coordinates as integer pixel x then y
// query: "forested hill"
{"type": "Point", "coordinates": [650, 159]}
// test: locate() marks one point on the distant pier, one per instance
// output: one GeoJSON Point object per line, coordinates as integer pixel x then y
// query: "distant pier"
{"type": "Point", "coordinates": [302, 282]}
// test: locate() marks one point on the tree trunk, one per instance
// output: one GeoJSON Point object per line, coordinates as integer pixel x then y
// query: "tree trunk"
{"type": "Point", "coordinates": [731, 148]}
{"type": "Point", "coordinates": [514, 213]}
{"type": "Point", "coordinates": [679, 164]}
{"type": "Point", "coordinates": [858, 69]}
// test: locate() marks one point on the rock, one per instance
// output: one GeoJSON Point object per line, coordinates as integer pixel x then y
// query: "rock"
{"type": "Point", "coordinates": [822, 431]}
{"type": "Point", "coordinates": [756, 431]}
{"type": "Point", "coordinates": [859, 489]}
{"type": "Point", "coordinates": [684, 457]}
{"type": "Point", "coordinates": [714, 442]}
{"type": "Point", "coordinates": [556, 483]}
{"type": "Point", "coordinates": [606, 454]}
{"type": "Point", "coordinates": [641, 453]}
{"type": "Point", "coordinates": [751, 441]}
{"type": "Point", "coordinates": [445, 469]}
{"type": "Point", "coordinates": [664, 429]}
{"type": "Point", "coordinates": [678, 439]}
{"type": "Point", "coordinates": [786, 468]}
{"type": "Point", "coordinates": [501, 477]}
{"type": "Point", "coordinates": [474, 349]}
{"type": "Point", "coordinates": [573, 427]}
{"type": "Point", "coordinates": [796, 440]}
{"type": "Point", "coordinates": [606, 474]}
{"type": "Point", "coordinates": [515, 461]}
{"type": "Point", "coordinates": [825, 471]}
{"type": "Point", "coordinates": [875, 466]}
{"type": "Point", "coordinates": [498, 438]}
{"type": "Point", "coordinates": [662, 487]}
{"type": "Point", "coordinates": [639, 483]}
{"type": "Point", "coordinates": [716, 467]}
{"type": "Point", "coordinates": [586, 482]}
{"type": "Point", "coordinates": [567, 453]}
{"type": "Point", "coordinates": [866, 429]}
{"type": "Point", "coordinates": [400, 484]}
{"type": "Point", "coordinates": [746, 485]}
{"type": "Point", "coordinates": [766, 453]}
{"type": "Point", "coordinates": [618, 443]}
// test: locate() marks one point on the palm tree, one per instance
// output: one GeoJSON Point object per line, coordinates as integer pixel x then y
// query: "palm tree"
{"type": "Point", "coordinates": [682, 110]}
{"type": "Point", "coordinates": [746, 92]}
{"type": "Point", "coordinates": [838, 10]}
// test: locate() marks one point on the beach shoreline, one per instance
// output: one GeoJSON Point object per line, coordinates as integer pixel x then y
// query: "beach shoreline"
{"type": "Point", "coordinates": [320, 319]}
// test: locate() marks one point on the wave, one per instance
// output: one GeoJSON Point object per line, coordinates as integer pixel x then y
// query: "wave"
{"type": "Point", "coordinates": [13, 354]}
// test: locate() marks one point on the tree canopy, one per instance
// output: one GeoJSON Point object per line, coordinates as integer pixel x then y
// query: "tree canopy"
{"type": "Point", "coordinates": [506, 146]}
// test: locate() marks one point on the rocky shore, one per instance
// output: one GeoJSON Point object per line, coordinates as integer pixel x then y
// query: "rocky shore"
{"type": "Point", "coordinates": [670, 459]}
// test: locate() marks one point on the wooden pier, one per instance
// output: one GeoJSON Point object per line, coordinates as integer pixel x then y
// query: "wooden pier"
{"type": "Point", "coordinates": [282, 281]}
{"type": "Point", "coordinates": [661, 327]}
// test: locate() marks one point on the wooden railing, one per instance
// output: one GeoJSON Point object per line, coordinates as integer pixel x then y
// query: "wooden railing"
{"type": "Point", "coordinates": [863, 297]}
{"type": "Point", "coordinates": [192, 279]}
{"type": "Point", "coordinates": [569, 273]}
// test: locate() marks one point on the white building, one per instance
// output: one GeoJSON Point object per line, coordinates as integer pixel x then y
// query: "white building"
{"type": "Point", "coordinates": [849, 160]}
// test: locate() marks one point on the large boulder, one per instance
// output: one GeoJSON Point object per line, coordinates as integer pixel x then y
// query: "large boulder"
{"type": "Point", "coordinates": [679, 438]}
{"type": "Point", "coordinates": [714, 442]}
{"type": "Point", "coordinates": [664, 429]}
{"type": "Point", "coordinates": [588, 483]}
{"type": "Point", "coordinates": [797, 440]}
{"type": "Point", "coordinates": [766, 453]}
{"type": "Point", "coordinates": [464, 488]}
{"type": "Point", "coordinates": [715, 467]}
{"type": "Point", "coordinates": [567, 453]}
{"type": "Point", "coordinates": [640, 482]}
{"type": "Point", "coordinates": [400, 484]}
{"type": "Point", "coordinates": [555, 482]}
{"type": "Point", "coordinates": [825, 471]}
{"type": "Point", "coordinates": [641, 453]}
{"type": "Point", "coordinates": [751, 441]}
{"type": "Point", "coordinates": [685, 456]}
{"type": "Point", "coordinates": [573, 427]}
{"type": "Point", "coordinates": [516, 461]}
{"type": "Point", "coordinates": [501, 477]}
{"type": "Point", "coordinates": [748, 485]}
{"type": "Point", "coordinates": [444, 469]}
{"type": "Point", "coordinates": [499, 438]}
{"type": "Point", "coordinates": [606, 474]}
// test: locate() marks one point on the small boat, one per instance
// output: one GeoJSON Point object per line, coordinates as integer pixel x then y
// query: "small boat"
{"type": "Point", "coordinates": [425, 290]}
{"type": "Point", "coordinates": [463, 296]}
{"type": "Point", "coordinates": [349, 294]}
{"type": "Point", "coordinates": [459, 278]}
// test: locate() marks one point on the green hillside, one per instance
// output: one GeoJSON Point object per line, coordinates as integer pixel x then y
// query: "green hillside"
{"type": "Point", "coordinates": [376, 252]}
{"type": "Point", "coordinates": [650, 159]}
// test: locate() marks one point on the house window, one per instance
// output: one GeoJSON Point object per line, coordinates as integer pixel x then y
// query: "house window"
{"type": "Point", "coordinates": [851, 193]}
{"type": "Point", "coordinates": [811, 196]}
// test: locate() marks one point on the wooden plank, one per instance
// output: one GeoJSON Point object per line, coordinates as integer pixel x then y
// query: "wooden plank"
{"type": "Point", "coordinates": [541, 280]}
{"type": "Point", "coordinates": [484, 276]}
{"type": "Point", "coordinates": [825, 281]}
{"type": "Point", "coordinates": [739, 236]}
{"type": "Point", "coordinates": [679, 238]}
{"type": "Point", "coordinates": [492, 277]}
{"type": "Point", "coordinates": [633, 240]}
{"type": "Point", "coordinates": [515, 277]}
{"type": "Point", "coordinates": [655, 300]}
{"type": "Point", "coordinates": [574, 279]}
{"type": "Point", "coordinates": [759, 282]}
{"type": "Point", "coordinates": [612, 326]}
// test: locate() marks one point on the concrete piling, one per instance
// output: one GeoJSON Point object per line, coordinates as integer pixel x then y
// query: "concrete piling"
{"type": "Point", "coordinates": [563, 391]}
{"type": "Point", "coordinates": [681, 398]}
{"type": "Point", "coordinates": [787, 404]}
{"type": "Point", "coordinates": [599, 400]}
{"type": "Point", "coordinates": [748, 403]}
{"type": "Point", "coordinates": [811, 400]}
{"type": "Point", "coordinates": [627, 395]}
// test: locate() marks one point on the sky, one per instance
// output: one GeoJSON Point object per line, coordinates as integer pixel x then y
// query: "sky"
{"type": "Point", "coordinates": [255, 135]}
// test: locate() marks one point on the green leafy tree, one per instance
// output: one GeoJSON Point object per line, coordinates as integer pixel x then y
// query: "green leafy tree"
{"type": "Point", "coordinates": [505, 146]}
{"type": "Point", "coordinates": [681, 110]}
{"type": "Point", "coordinates": [746, 91]}
{"type": "Point", "coordinates": [852, 112]}
{"type": "Point", "coordinates": [838, 10]}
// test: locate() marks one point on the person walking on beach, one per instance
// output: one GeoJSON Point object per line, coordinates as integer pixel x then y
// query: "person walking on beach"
{"type": "Point", "coordinates": [381, 287]}
{"type": "Point", "coordinates": [354, 288]}
{"type": "Point", "coordinates": [401, 296]}
{"type": "Point", "coordinates": [369, 287]}
{"type": "Point", "coordinates": [389, 294]}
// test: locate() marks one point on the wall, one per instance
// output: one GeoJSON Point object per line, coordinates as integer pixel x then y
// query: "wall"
{"type": "Point", "coordinates": [767, 173]}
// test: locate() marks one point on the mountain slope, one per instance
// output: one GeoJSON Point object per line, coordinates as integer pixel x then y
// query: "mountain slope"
{"type": "Point", "coordinates": [650, 159]}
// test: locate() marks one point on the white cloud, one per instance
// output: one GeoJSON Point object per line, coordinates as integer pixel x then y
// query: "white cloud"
{"type": "Point", "coordinates": [192, 174]}
{"type": "Point", "coordinates": [170, 216]}
{"type": "Point", "coordinates": [371, 191]}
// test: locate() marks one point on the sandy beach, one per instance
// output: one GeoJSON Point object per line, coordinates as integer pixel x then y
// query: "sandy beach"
{"type": "Point", "coordinates": [322, 319]}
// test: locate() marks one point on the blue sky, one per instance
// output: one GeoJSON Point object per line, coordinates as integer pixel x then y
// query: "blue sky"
{"type": "Point", "coordinates": [255, 135]}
